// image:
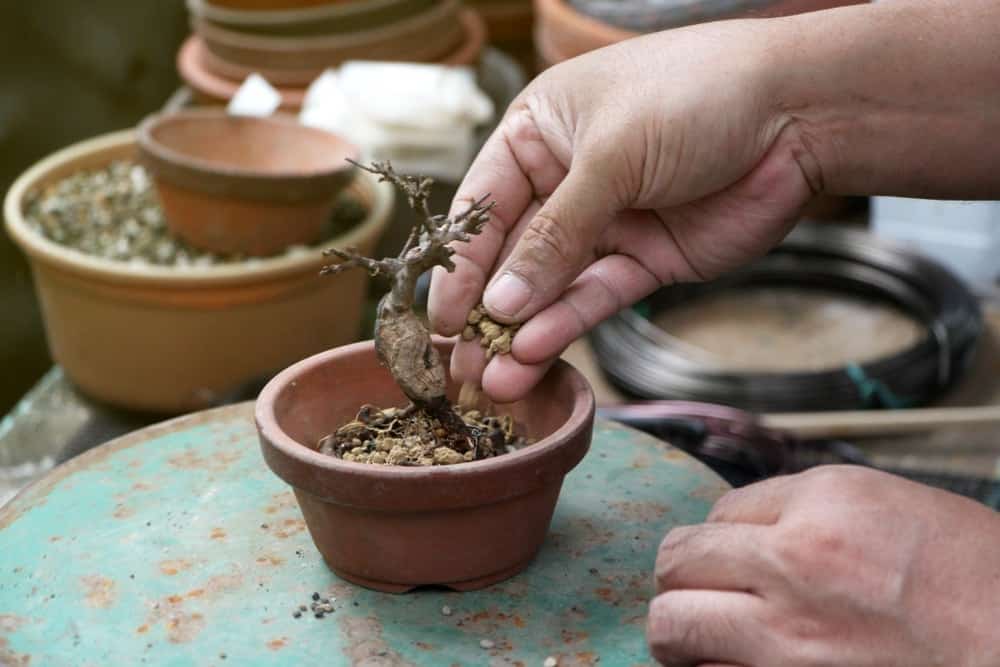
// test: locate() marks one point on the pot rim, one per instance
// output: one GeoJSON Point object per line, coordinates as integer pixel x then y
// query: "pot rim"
{"type": "Point", "coordinates": [388, 32]}
{"type": "Point", "coordinates": [380, 199]}
{"type": "Point", "coordinates": [193, 72]}
{"type": "Point", "coordinates": [581, 416]}
{"type": "Point", "coordinates": [176, 166]}
{"type": "Point", "coordinates": [192, 69]}
{"type": "Point", "coordinates": [267, 17]}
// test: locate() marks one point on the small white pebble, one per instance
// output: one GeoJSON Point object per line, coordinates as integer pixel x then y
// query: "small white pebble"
{"type": "Point", "coordinates": [486, 644]}
{"type": "Point", "coordinates": [446, 610]}
{"type": "Point", "coordinates": [550, 662]}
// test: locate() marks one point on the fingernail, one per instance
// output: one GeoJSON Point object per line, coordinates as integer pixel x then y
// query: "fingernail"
{"type": "Point", "coordinates": [507, 296]}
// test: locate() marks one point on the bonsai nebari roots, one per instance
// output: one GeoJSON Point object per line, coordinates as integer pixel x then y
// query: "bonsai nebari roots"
{"type": "Point", "coordinates": [402, 340]}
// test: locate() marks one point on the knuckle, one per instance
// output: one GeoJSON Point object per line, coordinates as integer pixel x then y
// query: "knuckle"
{"type": "Point", "coordinates": [806, 551]}
{"type": "Point", "coordinates": [837, 478]}
{"type": "Point", "coordinates": [675, 539]}
{"type": "Point", "coordinates": [548, 242]}
{"type": "Point", "coordinates": [723, 506]}
{"type": "Point", "coordinates": [667, 635]}
{"type": "Point", "coordinates": [670, 555]}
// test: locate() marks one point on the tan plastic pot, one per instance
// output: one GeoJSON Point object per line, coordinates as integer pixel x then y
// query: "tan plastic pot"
{"type": "Point", "coordinates": [173, 340]}
{"type": "Point", "coordinates": [394, 528]}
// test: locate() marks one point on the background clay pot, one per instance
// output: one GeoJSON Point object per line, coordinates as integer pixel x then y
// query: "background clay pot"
{"type": "Point", "coordinates": [653, 15]}
{"type": "Point", "coordinates": [272, 5]}
{"type": "Point", "coordinates": [238, 184]}
{"type": "Point", "coordinates": [173, 340]}
{"type": "Point", "coordinates": [509, 24]}
{"type": "Point", "coordinates": [424, 37]}
{"type": "Point", "coordinates": [328, 19]}
{"type": "Point", "coordinates": [218, 88]}
{"type": "Point", "coordinates": [392, 528]}
{"type": "Point", "coordinates": [564, 30]}
{"type": "Point", "coordinates": [569, 33]}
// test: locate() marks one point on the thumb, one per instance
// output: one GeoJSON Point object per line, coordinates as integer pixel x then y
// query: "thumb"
{"type": "Point", "coordinates": [557, 244]}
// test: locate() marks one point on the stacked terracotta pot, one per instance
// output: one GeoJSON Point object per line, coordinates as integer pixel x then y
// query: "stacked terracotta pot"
{"type": "Point", "coordinates": [291, 42]}
{"type": "Point", "coordinates": [510, 24]}
{"type": "Point", "coordinates": [567, 28]}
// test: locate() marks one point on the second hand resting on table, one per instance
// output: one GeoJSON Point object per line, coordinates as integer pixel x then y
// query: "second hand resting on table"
{"type": "Point", "coordinates": [679, 156]}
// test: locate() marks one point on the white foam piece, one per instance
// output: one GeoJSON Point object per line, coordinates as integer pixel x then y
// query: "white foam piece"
{"type": "Point", "coordinates": [255, 97]}
{"type": "Point", "coordinates": [420, 117]}
{"type": "Point", "coordinates": [414, 95]}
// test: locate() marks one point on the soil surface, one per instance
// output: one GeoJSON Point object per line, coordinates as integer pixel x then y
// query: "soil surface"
{"type": "Point", "coordinates": [412, 437]}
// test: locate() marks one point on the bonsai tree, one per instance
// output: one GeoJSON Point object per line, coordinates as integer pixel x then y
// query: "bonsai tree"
{"type": "Point", "coordinates": [402, 340]}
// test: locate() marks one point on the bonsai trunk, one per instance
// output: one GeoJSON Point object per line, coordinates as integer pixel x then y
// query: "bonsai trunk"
{"type": "Point", "coordinates": [402, 341]}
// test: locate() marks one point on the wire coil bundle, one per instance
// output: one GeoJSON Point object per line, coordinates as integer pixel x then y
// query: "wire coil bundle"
{"type": "Point", "coordinates": [643, 361]}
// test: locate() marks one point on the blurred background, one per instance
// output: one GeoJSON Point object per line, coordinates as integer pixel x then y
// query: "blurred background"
{"type": "Point", "coordinates": [69, 71]}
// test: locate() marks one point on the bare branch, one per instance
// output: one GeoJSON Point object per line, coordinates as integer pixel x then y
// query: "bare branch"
{"type": "Point", "coordinates": [416, 188]}
{"type": "Point", "coordinates": [351, 259]}
{"type": "Point", "coordinates": [402, 340]}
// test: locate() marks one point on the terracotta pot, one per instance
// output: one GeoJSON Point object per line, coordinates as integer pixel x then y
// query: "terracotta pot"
{"type": "Point", "coordinates": [212, 88]}
{"type": "Point", "coordinates": [325, 20]}
{"type": "Point", "coordinates": [570, 33]}
{"type": "Point", "coordinates": [173, 340]}
{"type": "Point", "coordinates": [393, 528]}
{"type": "Point", "coordinates": [467, 53]}
{"type": "Point", "coordinates": [506, 20]}
{"type": "Point", "coordinates": [547, 54]}
{"type": "Point", "coordinates": [273, 5]}
{"type": "Point", "coordinates": [563, 32]}
{"type": "Point", "coordinates": [510, 23]}
{"type": "Point", "coordinates": [238, 184]}
{"type": "Point", "coordinates": [425, 37]}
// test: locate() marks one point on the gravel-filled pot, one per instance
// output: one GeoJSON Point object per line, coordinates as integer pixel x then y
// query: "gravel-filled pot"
{"type": "Point", "coordinates": [172, 339]}
{"type": "Point", "coordinates": [394, 528]}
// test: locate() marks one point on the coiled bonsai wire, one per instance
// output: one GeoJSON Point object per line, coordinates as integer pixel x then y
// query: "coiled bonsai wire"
{"type": "Point", "coordinates": [641, 360]}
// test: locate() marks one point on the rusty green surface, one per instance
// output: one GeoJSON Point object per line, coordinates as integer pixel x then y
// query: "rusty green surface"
{"type": "Point", "coordinates": [177, 546]}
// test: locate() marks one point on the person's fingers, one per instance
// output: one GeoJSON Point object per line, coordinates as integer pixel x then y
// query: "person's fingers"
{"type": "Point", "coordinates": [518, 230]}
{"type": "Point", "coordinates": [713, 557]}
{"type": "Point", "coordinates": [689, 628]}
{"type": "Point", "coordinates": [468, 362]}
{"type": "Point", "coordinates": [605, 287]}
{"type": "Point", "coordinates": [761, 503]}
{"type": "Point", "coordinates": [506, 380]}
{"type": "Point", "coordinates": [557, 245]}
{"type": "Point", "coordinates": [515, 167]}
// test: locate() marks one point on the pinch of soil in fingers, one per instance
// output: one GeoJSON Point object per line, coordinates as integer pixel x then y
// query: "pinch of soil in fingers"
{"type": "Point", "coordinates": [496, 338]}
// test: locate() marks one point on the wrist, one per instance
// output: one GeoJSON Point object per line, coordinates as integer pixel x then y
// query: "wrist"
{"type": "Point", "coordinates": [894, 97]}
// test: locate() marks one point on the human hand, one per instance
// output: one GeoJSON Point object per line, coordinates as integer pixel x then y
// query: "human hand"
{"type": "Point", "coordinates": [835, 566]}
{"type": "Point", "coordinates": [659, 160]}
